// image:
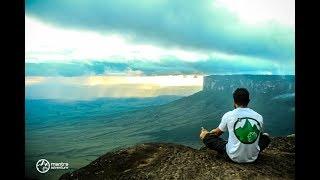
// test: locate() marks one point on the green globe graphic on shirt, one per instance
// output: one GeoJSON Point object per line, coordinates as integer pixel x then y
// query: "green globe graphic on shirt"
{"type": "Point", "coordinates": [247, 130]}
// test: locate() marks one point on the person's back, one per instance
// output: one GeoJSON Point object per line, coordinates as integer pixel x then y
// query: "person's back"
{"type": "Point", "coordinates": [244, 125]}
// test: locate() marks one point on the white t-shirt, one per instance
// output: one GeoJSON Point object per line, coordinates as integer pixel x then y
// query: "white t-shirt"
{"type": "Point", "coordinates": [244, 126]}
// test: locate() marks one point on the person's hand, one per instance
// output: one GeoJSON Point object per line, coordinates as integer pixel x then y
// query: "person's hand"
{"type": "Point", "coordinates": [213, 131]}
{"type": "Point", "coordinates": [203, 133]}
{"type": "Point", "coordinates": [216, 132]}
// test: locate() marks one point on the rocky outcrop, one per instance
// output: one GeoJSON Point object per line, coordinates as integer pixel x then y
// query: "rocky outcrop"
{"type": "Point", "coordinates": [173, 161]}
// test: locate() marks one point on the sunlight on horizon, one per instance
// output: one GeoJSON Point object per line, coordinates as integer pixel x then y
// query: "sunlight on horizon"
{"type": "Point", "coordinates": [91, 87]}
{"type": "Point", "coordinates": [161, 81]}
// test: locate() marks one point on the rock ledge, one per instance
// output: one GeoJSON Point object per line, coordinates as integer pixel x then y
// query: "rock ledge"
{"type": "Point", "coordinates": [173, 161]}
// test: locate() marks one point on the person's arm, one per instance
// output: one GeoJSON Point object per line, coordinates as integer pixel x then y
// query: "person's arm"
{"type": "Point", "coordinates": [261, 124]}
{"type": "Point", "coordinates": [222, 126]}
{"type": "Point", "coordinates": [216, 132]}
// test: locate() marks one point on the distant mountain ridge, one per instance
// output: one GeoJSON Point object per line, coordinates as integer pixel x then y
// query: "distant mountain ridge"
{"type": "Point", "coordinates": [254, 83]}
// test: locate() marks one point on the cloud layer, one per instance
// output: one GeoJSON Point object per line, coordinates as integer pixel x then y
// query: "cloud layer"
{"type": "Point", "coordinates": [84, 49]}
{"type": "Point", "coordinates": [192, 25]}
{"type": "Point", "coordinates": [163, 67]}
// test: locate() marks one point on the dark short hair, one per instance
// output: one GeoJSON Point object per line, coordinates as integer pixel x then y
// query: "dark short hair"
{"type": "Point", "coordinates": [241, 96]}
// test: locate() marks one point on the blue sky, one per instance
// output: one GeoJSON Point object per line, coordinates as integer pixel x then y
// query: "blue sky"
{"type": "Point", "coordinates": [77, 38]}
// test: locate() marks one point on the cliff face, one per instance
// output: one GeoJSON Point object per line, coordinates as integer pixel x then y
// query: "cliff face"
{"type": "Point", "coordinates": [172, 161]}
{"type": "Point", "coordinates": [262, 84]}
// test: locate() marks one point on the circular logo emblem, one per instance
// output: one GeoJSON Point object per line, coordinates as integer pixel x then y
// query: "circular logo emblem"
{"type": "Point", "coordinates": [247, 130]}
{"type": "Point", "coordinates": [43, 166]}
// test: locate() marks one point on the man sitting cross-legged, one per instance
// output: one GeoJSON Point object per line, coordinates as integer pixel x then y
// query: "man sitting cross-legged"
{"type": "Point", "coordinates": [244, 125]}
